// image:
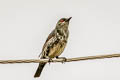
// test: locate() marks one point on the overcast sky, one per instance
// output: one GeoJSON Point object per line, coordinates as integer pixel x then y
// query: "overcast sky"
{"type": "Point", "coordinates": [94, 30]}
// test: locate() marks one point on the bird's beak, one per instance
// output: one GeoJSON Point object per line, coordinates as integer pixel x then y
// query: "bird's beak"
{"type": "Point", "coordinates": [69, 19]}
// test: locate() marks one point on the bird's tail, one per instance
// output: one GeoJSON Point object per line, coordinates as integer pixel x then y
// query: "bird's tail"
{"type": "Point", "coordinates": [39, 69]}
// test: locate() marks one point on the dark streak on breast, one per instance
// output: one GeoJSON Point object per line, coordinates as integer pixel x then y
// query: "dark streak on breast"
{"type": "Point", "coordinates": [59, 32]}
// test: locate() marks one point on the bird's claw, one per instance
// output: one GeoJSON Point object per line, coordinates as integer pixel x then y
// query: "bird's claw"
{"type": "Point", "coordinates": [64, 59]}
{"type": "Point", "coordinates": [50, 60]}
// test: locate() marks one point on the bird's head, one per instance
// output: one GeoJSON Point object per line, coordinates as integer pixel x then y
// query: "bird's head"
{"type": "Point", "coordinates": [63, 22]}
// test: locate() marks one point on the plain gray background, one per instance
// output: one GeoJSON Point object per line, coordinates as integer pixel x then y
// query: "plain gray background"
{"type": "Point", "coordinates": [94, 30]}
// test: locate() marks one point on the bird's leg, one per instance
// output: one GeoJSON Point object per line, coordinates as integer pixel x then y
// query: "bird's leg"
{"type": "Point", "coordinates": [49, 59]}
{"type": "Point", "coordinates": [64, 59]}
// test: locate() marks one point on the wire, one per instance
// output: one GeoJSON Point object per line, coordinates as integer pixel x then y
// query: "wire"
{"type": "Point", "coordinates": [59, 60]}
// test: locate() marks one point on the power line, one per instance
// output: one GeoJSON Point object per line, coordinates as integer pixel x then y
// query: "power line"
{"type": "Point", "coordinates": [59, 60]}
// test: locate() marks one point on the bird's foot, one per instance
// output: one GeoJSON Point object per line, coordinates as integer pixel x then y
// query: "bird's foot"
{"type": "Point", "coordinates": [64, 59]}
{"type": "Point", "coordinates": [50, 60]}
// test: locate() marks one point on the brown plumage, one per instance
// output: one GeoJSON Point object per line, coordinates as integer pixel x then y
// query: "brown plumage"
{"type": "Point", "coordinates": [55, 43]}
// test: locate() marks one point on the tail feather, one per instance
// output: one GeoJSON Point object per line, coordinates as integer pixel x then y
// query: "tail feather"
{"type": "Point", "coordinates": [39, 69]}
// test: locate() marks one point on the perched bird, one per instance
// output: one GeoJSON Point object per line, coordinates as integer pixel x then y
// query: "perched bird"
{"type": "Point", "coordinates": [55, 43]}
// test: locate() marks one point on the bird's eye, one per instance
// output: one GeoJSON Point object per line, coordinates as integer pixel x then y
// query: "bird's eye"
{"type": "Point", "coordinates": [61, 20]}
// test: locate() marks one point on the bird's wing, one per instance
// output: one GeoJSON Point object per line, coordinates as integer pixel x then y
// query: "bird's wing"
{"type": "Point", "coordinates": [51, 36]}
{"type": "Point", "coordinates": [50, 40]}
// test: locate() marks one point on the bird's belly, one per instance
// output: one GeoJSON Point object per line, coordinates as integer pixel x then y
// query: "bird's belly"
{"type": "Point", "coordinates": [57, 50]}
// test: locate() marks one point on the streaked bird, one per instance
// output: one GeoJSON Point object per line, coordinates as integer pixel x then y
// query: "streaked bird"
{"type": "Point", "coordinates": [55, 43]}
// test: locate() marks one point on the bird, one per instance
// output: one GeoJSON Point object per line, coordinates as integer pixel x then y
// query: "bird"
{"type": "Point", "coordinates": [55, 43]}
